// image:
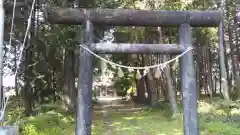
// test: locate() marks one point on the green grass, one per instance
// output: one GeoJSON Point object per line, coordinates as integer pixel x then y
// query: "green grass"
{"type": "Point", "coordinates": [155, 121]}
{"type": "Point", "coordinates": [150, 121]}
{"type": "Point", "coordinates": [158, 121]}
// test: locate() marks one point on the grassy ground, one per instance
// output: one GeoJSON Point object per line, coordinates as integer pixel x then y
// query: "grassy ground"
{"type": "Point", "coordinates": [155, 121]}
{"type": "Point", "coordinates": [158, 121]}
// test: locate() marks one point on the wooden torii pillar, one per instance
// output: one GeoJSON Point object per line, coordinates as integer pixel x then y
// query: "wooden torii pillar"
{"type": "Point", "coordinates": [237, 15]}
{"type": "Point", "coordinates": [130, 17]}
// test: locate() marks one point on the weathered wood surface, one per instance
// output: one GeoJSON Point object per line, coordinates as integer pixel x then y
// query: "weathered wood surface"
{"type": "Point", "coordinates": [188, 84]}
{"type": "Point", "coordinates": [132, 17]}
{"type": "Point", "coordinates": [114, 48]}
{"type": "Point", "coordinates": [85, 76]}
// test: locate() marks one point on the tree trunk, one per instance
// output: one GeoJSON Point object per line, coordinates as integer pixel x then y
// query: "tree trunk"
{"type": "Point", "coordinates": [164, 88]}
{"type": "Point", "coordinates": [209, 74]}
{"type": "Point", "coordinates": [54, 85]}
{"type": "Point", "coordinates": [157, 82]}
{"type": "Point", "coordinates": [27, 90]}
{"type": "Point", "coordinates": [140, 87]}
{"type": "Point", "coordinates": [150, 87]}
{"type": "Point", "coordinates": [198, 71]}
{"type": "Point", "coordinates": [214, 82]}
{"type": "Point", "coordinates": [69, 92]}
{"type": "Point", "coordinates": [204, 66]}
{"type": "Point", "coordinates": [238, 85]}
{"type": "Point", "coordinates": [201, 71]}
{"type": "Point", "coordinates": [171, 92]}
{"type": "Point", "coordinates": [234, 59]}
{"type": "Point", "coordinates": [210, 57]}
{"type": "Point", "coordinates": [152, 93]}
{"type": "Point", "coordinates": [164, 79]}
{"type": "Point", "coordinates": [224, 80]}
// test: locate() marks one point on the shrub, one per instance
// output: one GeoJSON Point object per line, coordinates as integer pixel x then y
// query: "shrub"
{"type": "Point", "coordinates": [29, 129]}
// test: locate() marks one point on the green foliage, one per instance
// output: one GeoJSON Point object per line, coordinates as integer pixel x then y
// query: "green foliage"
{"type": "Point", "coordinates": [221, 128]}
{"type": "Point", "coordinates": [51, 131]}
{"type": "Point", "coordinates": [47, 123]}
{"type": "Point", "coordinates": [131, 90]}
{"type": "Point", "coordinates": [123, 85]}
{"type": "Point", "coordinates": [32, 130]}
{"type": "Point", "coordinates": [227, 106]}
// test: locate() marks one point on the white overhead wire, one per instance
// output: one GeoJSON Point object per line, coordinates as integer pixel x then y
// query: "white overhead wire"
{"type": "Point", "coordinates": [12, 23]}
{"type": "Point", "coordinates": [21, 52]}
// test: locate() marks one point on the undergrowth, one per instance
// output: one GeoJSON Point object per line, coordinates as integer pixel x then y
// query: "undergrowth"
{"type": "Point", "coordinates": [51, 119]}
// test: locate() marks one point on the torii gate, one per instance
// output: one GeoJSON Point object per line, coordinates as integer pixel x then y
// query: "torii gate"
{"type": "Point", "coordinates": [130, 17]}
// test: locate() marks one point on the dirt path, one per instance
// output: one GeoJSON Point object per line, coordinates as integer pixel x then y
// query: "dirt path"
{"type": "Point", "coordinates": [106, 105]}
